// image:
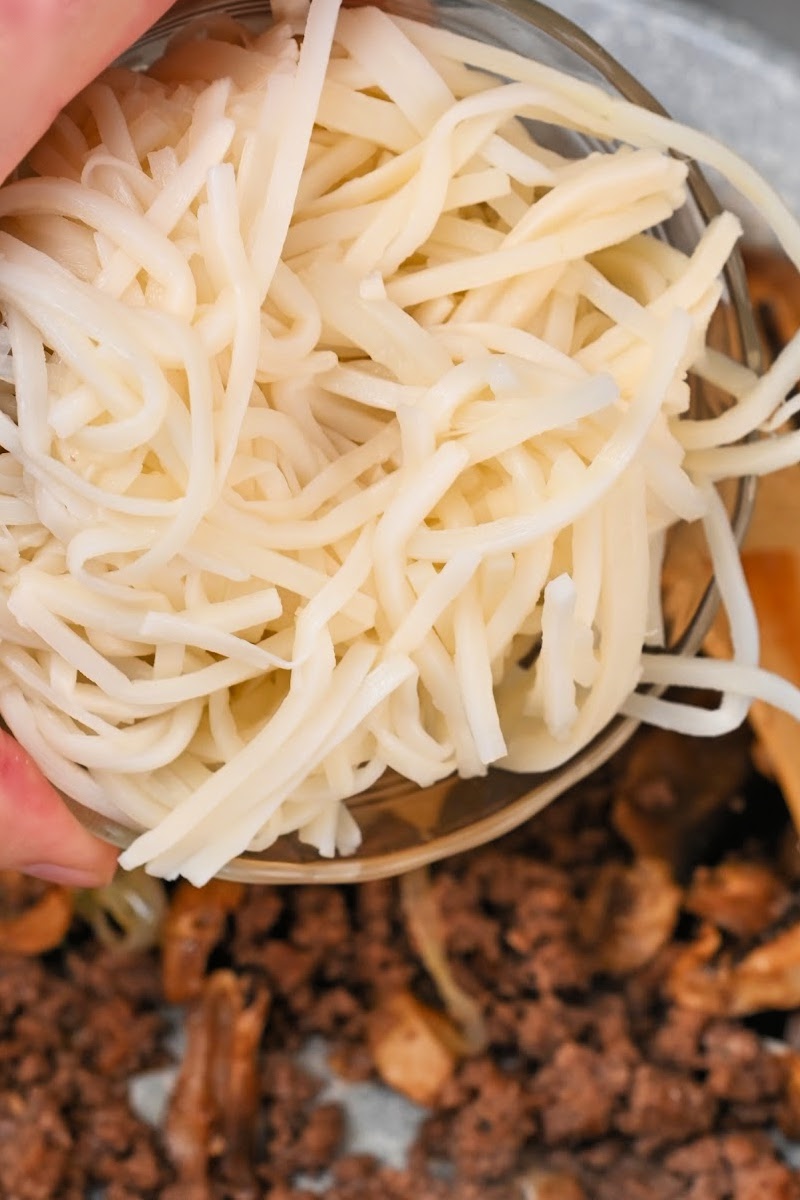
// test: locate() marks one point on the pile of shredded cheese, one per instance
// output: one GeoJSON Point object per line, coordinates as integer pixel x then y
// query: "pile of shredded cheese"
{"type": "Point", "coordinates": [344, 425]}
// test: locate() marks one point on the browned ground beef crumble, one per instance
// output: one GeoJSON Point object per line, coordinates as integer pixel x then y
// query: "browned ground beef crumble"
{"type": "Point", "coordinates": [593, 1075]}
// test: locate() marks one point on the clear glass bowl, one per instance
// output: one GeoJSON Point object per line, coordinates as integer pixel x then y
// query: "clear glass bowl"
{"type": "Point", "coordinates": [405, 826]}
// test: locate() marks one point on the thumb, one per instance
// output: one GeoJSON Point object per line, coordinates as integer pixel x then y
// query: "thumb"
{"type": "Point", "coordinates": [38, 833]}
{"type": "Point", "coordinates": [49, 49]}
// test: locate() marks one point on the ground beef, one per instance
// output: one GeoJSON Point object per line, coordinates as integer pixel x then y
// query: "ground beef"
{"type": "Point", "coordinates": [302, 1141]}
{"type": "Point", "coordinates": [598, 1086]}
{"type": "Point", "coordinates": [71, 1038]}
{"type": "Point", "coordinates": [740, 1067]}
{"type": "Point", "coordinates": [488, 1132]}
{"type": "Point", "coordinates": [469, 930]}
{"type": "Point", "coordinates": [321, 920]}
{"type": "Point", "coordinates": [287, 967]}
{"type": "Point", "coordinates": [35, 1146]}
{"type": "Point", "coordinates": [256, 919]}
{"type": "Point", "coordinates": [577, 1092]}
{"type": "Point", "coordinates": [542, 1026]}
{"type": "Point", "coordinates": [677, 1042]}
{"type": "Point", "coordinates": [664, 1107]}
{"type": "Point", "coordinates": [285, 1082]}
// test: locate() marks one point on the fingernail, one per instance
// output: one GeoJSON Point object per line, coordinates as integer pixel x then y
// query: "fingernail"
{"type": "Point", "coordinates": [68, 876]}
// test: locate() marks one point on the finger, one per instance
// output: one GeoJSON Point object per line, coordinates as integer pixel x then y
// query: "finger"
{"type": "Point", "coordinates": [38, 833]}
{"type": "Point", "coordinates": [49, 50]}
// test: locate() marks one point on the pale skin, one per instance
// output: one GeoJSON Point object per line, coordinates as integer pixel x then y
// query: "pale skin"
{"type": "Point", "coordinates": [49, 49]}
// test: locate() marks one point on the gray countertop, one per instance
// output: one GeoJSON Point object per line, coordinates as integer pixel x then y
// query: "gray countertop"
{"type": "Point", "coordinates": [778, 19]}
